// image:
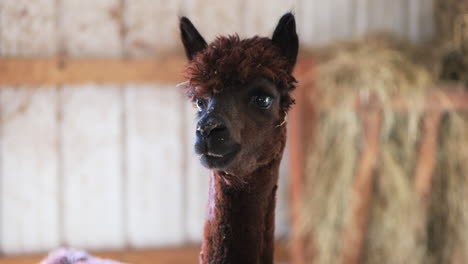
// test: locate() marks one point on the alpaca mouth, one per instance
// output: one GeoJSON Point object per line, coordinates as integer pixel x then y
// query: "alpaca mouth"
{"type": "Point", "coordinates": [217, 161]}
{"type": "Point", "coordinates": [214, 155]}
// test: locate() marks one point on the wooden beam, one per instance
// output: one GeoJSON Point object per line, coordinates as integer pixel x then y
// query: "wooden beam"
{"type": "Point", "coordinates": [297, 163]}
{"type": "Point", "coordinates": [362, 189]}
{"type": "Point", "coordinates": [427, 154]}
{"type": "Point", "coordinates": [443, 97]}
{"type": "Point", "coordinates": [54, 70]}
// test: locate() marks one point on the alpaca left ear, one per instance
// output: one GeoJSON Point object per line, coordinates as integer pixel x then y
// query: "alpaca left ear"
{"type": "Point", "coordinates": [285, 37]}
{"type": "Point", "coordinates": [191, 38]}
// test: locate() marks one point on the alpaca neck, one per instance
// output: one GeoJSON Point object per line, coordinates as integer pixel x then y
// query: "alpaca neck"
{"type": "Point", "coordinates": [239, 227]}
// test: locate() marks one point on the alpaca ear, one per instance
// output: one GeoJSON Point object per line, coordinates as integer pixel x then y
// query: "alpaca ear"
{"type": "Point", "coordinates": [285, 37]}
{"type": "Point", "coordinates": [192, 40]}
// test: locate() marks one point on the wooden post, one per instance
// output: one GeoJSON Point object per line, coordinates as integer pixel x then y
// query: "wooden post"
{"type": "Point", "coordinates": [427, 154]}
{"type": "Point", "coordinates": [296, 144]}
{"type": "Point", "coordinates": [354, 233]}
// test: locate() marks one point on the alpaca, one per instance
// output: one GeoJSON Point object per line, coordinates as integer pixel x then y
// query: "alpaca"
{"type": "Point", "coordinates": [242, 89]}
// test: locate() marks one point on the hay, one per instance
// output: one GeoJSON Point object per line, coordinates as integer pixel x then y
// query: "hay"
{"type": "Point", "coordinates": [384, 67]}
{"type": "Point", "coordinates": [402, 228]}
{"type": "Point", "coordinates": [451, 17]}
{"type": "Point", "coordinates": [395, 231]}
{"type": "Point", "coordinates": [332, 162]}
{"type": "Point", "coordinates": [448, 213]}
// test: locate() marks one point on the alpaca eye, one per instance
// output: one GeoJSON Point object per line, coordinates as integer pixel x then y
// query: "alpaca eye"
{"type": "Point", "coordinates": [263, 101]}
{"type": "Point", "coordinates": [201, 104]}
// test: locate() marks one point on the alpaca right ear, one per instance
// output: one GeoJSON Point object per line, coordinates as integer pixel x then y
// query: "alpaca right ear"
{"type": "Point", "coordinates": [285, 37]}
{"type": "Point", "coordinates": [192, 40]}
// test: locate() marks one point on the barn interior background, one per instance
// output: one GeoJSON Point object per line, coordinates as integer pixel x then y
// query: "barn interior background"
{"type": "Point", "coordinates": [95, 138]}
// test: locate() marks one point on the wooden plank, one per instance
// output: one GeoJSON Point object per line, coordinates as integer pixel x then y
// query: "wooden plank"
{"type": "Point", "coordinates": [184, 255]}
{"type": "Point", "coordinates": [397, 17]}
{"type": "Point", "coordinates": [341, 25]}
{"type": "Point", "coordinates": [151, 27]}
{"type": "Point", "coordinates": [296, 186]}
{"type": "Point", "coordinates": [37, 71]}
{"type": "Point", "coordinates": [426, 20]}
{"type": "Point", "coordinates": [77, 71]}
{"type": "Point", "coordinates": [305, 10]}
{"type": "Point", "coordinates": [154, 173]}
{"type": "Point", "coordinates": [282, 220]}
{"type": "Point", "coordinates": [91, 28]}
{"type": "Point", "coordinates": [323, 17]}
{"type": "Point", "coordinates": [355, 232]}
{"type": "Point", "coordinates": [92, 129]}
{"type": "Point", "coordinates": [421, 20]}
{"type": "Point", "coordinates": [92, 133]}
{"type": "Point", "coordinates": [29, 212]}
{"type": "Point", "coordinates": [28, 154]}
{"type": "Point", "coordinates": [377, 15]}
{"type": "Point", "coordinates": [437, 100]}
{"type": "Point", "coordinates": [427, 155]}
{"type": "Point", "coordinates": [213, 18]}
{"type": "Point", "coordinates": [261, 17]}
{"type": "Point", "coordinates": [414, 14]}
{"type": "Point", "coordinates": [28, 27]}
{"type": "Point", "coordinates": [361, 17]}
{"type": "Point", "coordinates": [197, 179]}
{"type": "Point", "coordinates": [297, 162]}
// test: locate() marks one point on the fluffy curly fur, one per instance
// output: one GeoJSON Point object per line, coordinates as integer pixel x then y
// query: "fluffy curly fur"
{"type": "Point", "coordinates": [229, 62]}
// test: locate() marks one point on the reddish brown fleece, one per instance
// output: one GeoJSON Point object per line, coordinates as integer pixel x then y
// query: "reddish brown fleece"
{"type": "Point", "coordinates": [229, 62]}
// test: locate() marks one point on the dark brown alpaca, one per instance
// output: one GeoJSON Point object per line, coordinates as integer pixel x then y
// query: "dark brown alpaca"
{"type": "Point", "coordinates": [242, 91]}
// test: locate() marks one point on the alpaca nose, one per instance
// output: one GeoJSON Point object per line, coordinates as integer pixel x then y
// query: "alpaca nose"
{"type": "Point", "coordinates": [210, 126]}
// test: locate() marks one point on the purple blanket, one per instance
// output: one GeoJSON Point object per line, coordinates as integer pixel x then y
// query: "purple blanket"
{"type": "Point", "coordinates": [74, 256]}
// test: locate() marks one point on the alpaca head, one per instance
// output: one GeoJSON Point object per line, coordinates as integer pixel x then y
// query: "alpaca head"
{"type": "Point", "coordinates": [241, 88]}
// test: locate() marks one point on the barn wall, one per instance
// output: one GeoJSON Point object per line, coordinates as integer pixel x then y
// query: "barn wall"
{"type": "Point", "coordinates": [111, 166]}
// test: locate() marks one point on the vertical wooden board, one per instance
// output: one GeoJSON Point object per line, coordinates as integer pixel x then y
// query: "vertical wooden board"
{"type": "Point", "coordinates": [92, 129]}
{"type": "Point", "coordinates": [197, 179]}
{"type": "Point", "coordinates": [305, 11]}
{"type": "Point", "coordinates": [399, 17]}
{"type": "Point", "coordinates": [323, 16]}
{"type": "Point", "coordinates": [342, 19]}
{"type": "Point", "coordinates": [28, 204]}
{"type": "Point", "coordinates": [261, 17]}
{"type": "Point", "coordinates": [151, 27]}
{"type": "Point", "coordinates": [214, 17]}
{"type": "Point", "coordinates": [28, 200]}
{"type": "Point", "coordinates": [27, 27]}
{"type": "Point", "coordinates": [414, 26]}
{"type": "Point", "coordinates": [282, 199]}
{"type": "Point", "coordinates": [91, 28]}
{"type": "Point", "coordinates": [426, 20]}
{"type": "Point", "coordinates": [361, 17]}
{"type": "Point", "coordinates": [389, 16]}
{"type": "Point", "coordinates": [377, 15]}
{"type": "Point", "coordinates": [92, 176]}
{"type": "Point", "coordinates": [155, 185]}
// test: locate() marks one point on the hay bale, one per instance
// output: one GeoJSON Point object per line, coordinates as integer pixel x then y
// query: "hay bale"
{"type": "Point", "coordinates": [448, 212]}
{"type": "Point", "coordinates": [451, 20]}
{"type": "Point", "coordinates": [395, 232]}
{"type": "Point", "coordinates": [385, 67]}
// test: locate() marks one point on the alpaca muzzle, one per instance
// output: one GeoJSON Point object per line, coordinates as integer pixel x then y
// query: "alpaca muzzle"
{"type": "Point", "coordinates": [213, 142]}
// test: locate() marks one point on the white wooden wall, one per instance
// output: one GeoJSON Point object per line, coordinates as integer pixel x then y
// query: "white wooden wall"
{"type": "Point", "coordinates": [111, 166]}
